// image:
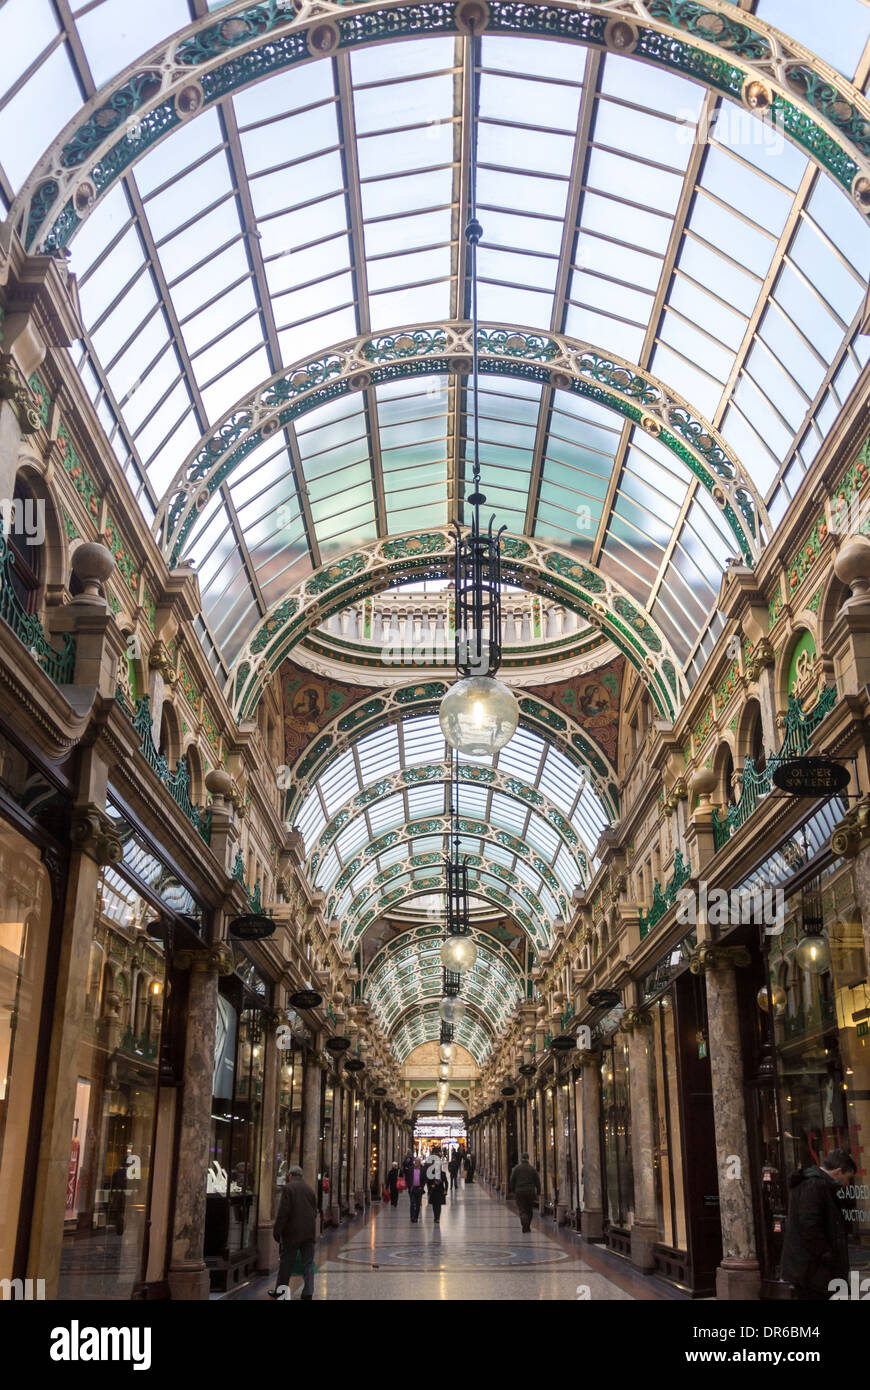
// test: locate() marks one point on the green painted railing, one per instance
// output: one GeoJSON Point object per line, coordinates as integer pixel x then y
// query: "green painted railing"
{"type": "Point", "coordinates": [663, 898]}
{"type": "Point", "coordinates": [799, 729]}
{"type": "Point", "coordinates": [58, 663]}
{"type": "Point", "coordinates": [565, 1018]}
{"type": "Point", "coordinates": [142, 1047]}
{"type": "Point", "coordinates": [177, 783]}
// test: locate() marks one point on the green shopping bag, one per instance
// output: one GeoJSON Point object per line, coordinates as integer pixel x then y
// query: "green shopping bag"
{"type": "Point", "coordinates": [297, 1267]}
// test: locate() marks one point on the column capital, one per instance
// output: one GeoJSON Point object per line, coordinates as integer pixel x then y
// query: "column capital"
{"type": "Point", "coordinates": [216, 959]}
{"type": "Point", "coordinates": [633, 1020]}
{"type": "Point", "coordinates": [709, 957]}
{"type": "Point", "coordinates": [95, 834]}
{"type": "Point", "coordinates": [589, 1059]}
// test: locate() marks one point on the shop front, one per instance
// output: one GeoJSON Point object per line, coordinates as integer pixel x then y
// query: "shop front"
{"type": "Point", "coordinates": [32, 891]}
{"type": "Point", "coordinates": [238, 1090]}
{"type": "Point", "coordinates": [806, 1005]}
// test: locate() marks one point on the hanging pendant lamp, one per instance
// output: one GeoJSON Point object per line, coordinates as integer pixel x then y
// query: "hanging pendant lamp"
{"type": "Point", "coordinates": [478, 714]}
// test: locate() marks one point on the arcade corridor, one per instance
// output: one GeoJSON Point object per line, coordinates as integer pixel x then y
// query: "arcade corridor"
{"type": "Point", "coordinates": [476, 1253]}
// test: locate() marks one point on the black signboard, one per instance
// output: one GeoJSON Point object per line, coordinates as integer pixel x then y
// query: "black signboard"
{"type": "Point", "coordinates": [253, 926]}
{"type": "Point", "coordinates": [811, 777]}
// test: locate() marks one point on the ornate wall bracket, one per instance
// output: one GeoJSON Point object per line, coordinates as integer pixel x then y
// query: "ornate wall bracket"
{"type": "Point", "coordinates": [852, 833]}
{"type": "Point", "coordinates": [706, 957]}
{"type": "Point", "coordinates": [95, 834]}
{"type": "Point", "coordinates": [14, 389]}
{"type": "Point", "coordinates": [759, 659]}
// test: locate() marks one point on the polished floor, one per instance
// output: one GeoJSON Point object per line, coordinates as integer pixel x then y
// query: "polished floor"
{"type": "Point", "coordinates": [477, 1252]}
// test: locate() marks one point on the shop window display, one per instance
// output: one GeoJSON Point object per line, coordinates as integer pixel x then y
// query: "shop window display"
{"type": "Point", "coordinates": [25, 910]}
{"type": "Point", "coordinates": [665, 1110]}
{"type": "Point", "coordinates": [234, 1156]}
{"type": "Point", "coordinates": [815, 1020]}
{"type": "Point", "coordinates": [111, 1143]}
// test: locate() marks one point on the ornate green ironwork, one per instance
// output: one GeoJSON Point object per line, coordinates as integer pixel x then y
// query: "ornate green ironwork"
{"type": "Point", "coordinates": [177, 783]}
{"type": "Point", "coordinates": [757, 782]}
{"type": "Point", "coordinates": [663, 898]}
{"type": "Point", "coordinates": [58, 663]}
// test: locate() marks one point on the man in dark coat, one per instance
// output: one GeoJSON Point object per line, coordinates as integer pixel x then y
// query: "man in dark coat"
{"type": "Point", "coordinates": [453, 1166]}
{"type": "Point", "coordinates": [525, 1185]}
{"type": "Point", "coordinates": [416, 1184]}
{"type": "Point", "coordinates": [296, 1229]}
{"type": "Point", "coordinates": [815, 1250]}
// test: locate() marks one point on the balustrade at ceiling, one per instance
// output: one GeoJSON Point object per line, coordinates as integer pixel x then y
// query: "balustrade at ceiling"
{"type": "Point", "coordinates": [623, 205]}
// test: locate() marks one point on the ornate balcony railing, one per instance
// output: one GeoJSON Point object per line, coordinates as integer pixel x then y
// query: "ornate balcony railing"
{"type": "Point", "coordinates": [177, 783]}
{"type": "Point", "coordinates": [58, 663]}
{"type": "Point", "coordinates": [663, 898]}
{"type": "Point", "coordinates": [757, 782]}
{"type": "Point", "coordinates": [140, 1047]}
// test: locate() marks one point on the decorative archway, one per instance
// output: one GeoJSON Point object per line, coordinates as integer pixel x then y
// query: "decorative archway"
{"type": "Point", "coordinates": [551, 359]}
{"type": "Point", "coordinates": [729, 51]}
{"type": "Point", "coordinates": [531, 564]}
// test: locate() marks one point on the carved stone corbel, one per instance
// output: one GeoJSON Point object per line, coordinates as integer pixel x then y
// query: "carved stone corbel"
{"type": "Point", "coordinates": [96, 835]}
{"type": "Point", "coordinates": [759, 658]}
{"type": "Point", "coordinates": [160, 660]}
{"type": "Point", "coordinates": [852, 833]}
{"type": "Point", "coordinates": [14, 389]}
{"type": "Point", "coordinates": [709, 957]}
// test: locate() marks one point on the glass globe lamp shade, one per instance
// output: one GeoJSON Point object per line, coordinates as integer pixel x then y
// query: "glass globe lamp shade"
{"type": "Point", "coordinates": [813, 954]}
{"type": "Point", "coordinates": [777, 996]}
{"type": "Point", "coordinates": [458, 953]}
{"type": "Point", "coordinates": [451, 1010]}
{"type": "Point", "coordinates": [447, 1052]}
{"type": "Point", "coordinates": [478, 716]}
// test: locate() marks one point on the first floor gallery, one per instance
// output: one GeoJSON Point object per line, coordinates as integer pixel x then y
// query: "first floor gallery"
{"type": "Point", "coordinates": [435, 665]}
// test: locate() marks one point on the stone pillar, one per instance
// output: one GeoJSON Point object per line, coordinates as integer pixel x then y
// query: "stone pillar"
{"type": "Point", "coordinates": [358, 1151]}
{"type": "Point", "coordinates": [334, 1160]}
{"type": "Point", "coordinates": [592, 1214]}
{"type": "Point", "coordinates": [563, 1139]}
{"type": "Point", "coordinates": [739, 1274]}
{"type": "Point", "coordinates": [188, 1275]}
{"type": "Point", "coordinates": [644, 1231]}
{"type": "Point", "coordinates": [311, 1085]}
{"type": "Point", "coordinates": [503, 1149]}
{"type": "Point", "coordinates": [272, 1059]}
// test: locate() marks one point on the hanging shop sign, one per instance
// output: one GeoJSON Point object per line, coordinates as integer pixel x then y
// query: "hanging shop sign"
{"type": "Point", "coordinates": [253, 926]}
{"type": "Point", "coordinates": [305, 999]}
{"type": "Point", "coordinates": [811, 777]}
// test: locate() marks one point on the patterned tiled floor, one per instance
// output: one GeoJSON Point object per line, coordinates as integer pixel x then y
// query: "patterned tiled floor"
{"type": "Point", "coordinates": [477, 1252]}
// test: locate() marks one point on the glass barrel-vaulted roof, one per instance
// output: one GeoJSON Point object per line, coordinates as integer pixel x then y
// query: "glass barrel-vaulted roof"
{"type": "Point", "coordinates": [408, 972]}
{"type": "Point", "coordinates": [622, 204]}
{"type": "Point", "coordinates": [624, 207]}
{"type": "Point", "coordinates": [536, 798]}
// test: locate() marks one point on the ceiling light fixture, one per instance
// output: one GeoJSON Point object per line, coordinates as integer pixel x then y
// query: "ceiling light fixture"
{"type": "Point", "coordinates": [478, 714]}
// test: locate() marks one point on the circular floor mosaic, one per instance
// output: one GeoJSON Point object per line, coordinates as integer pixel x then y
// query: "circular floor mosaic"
{"type": "Point", "coordinates": [437, 1257]}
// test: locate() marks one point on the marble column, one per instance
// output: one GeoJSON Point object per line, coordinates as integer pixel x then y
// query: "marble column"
{"type": "Point", "coordinates": [644, 1231]}
{"type": "Point", "coordinates": [563, 1139]}
{"type": "Point", "coordinates": [94, 843]}
{"type": "Point", "coordinates": [503, 1150]}
{"type": "Point", "coordinates": [311, 1086]}
{"type": "Point", "coordinates": [334, 1160]}
{"type": "Point", "coordinates": [739, 1274]}
{"type": "Point", "coordinates": [358, 1150]}
{"type": "Point", "coordinates": [188, 1276]}
{"type": "Point", "coordinates": [267, 1250]}
{"type": "Point", "coordinates": [592, 1214]}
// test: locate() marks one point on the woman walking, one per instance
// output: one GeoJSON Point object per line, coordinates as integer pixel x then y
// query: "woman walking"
{"type": "Point", "coordinates": [393, 1185]}
{"type": "Point", "coordinates": [436, 1184]}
